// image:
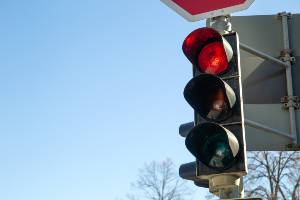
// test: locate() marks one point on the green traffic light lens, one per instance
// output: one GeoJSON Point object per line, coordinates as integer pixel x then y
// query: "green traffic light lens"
{"type": "Point", "coordinates": [213, 145]}
{"type": "Point", "coordinates": [216, 151]}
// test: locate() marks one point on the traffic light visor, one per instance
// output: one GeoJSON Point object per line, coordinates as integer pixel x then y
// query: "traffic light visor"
{"type": "Point", "coordinates": [208, 51]}
{"type": "Point", "coordinates": [211, 97]}
{"type": "Point", "coordinates": [213, 145]}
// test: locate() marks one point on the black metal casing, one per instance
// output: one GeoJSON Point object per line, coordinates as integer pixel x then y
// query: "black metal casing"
{"type": "Point", "coordinates": [234, 123]}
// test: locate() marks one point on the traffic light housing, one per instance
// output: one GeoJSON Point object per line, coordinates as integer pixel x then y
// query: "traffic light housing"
{"type": "Point", "coordinates": [217, 139]}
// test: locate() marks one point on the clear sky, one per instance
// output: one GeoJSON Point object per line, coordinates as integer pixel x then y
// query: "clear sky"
{"type": "Point", "coordinates": [90, 91]}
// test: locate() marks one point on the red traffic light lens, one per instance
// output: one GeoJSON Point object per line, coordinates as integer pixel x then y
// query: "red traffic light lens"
{"type": "Point", "coordinates": [208, 51]}
{"type": "Point", "coordinates": [212, 59]}
{"type": "Point", "coordinates": [198, 39]}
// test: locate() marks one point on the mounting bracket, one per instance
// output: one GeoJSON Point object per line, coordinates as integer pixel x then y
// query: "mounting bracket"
{"type": "Point", "coordinates": [286, 55]}
{"type": "Point", "coordinates": [290, 101]}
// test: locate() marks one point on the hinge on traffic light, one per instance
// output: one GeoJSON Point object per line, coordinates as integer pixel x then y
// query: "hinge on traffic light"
{"type": "Point", "coordinates": [286, 55]}
{"type": "Point", "coordinates": [290, 101]}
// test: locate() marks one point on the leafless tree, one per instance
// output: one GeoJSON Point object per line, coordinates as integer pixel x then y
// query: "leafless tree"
{"type": "Point", "coordinates": [159, 181]}
{"type": "Point", "coordinates": [273, 175]}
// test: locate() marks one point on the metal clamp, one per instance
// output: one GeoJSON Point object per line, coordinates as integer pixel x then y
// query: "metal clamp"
{"type": "Point", "coordinates": [222, 24]}
{"type": "Point", "coordinates": [286, 55]}
{"type": "Point", "coordinates": [292, 147]}
{"type": "Point", "coordinates": [290, 101]}
{"type": "Point", "coordinates": [279, 15]}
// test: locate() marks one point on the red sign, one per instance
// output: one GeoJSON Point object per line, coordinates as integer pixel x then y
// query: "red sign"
{"type": "Point", "coordinates": [194, 10]}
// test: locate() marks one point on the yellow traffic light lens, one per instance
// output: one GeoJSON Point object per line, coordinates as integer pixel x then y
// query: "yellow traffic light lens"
{"type": "Point", "coordinates": [211, 97]}
{"type": "Point", "coordinates": [216, 105]}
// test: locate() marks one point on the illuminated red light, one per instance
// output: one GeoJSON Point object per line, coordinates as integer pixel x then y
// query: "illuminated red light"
{"type": "Point", "coordinates": [212, 59]}
{"type": "Point", "coordinates": [204, 47]}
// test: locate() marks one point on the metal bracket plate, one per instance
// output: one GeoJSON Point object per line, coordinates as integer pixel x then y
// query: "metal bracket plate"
{"type": "Point", "coordinates": [286, 55]}
{"type": "Point", "coordinates": [290, 101]}
{"type": "Point", "coordinates": [292, 147]}
{"type": "Point", "coordinates": [288, 14]}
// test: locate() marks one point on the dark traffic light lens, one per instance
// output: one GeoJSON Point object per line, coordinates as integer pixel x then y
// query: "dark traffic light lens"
{"type": "Point", "coordinates": [213, 145]}
{"type": "Point", "coordinates": [211, 97]}
{"type": "Point", "coordinates": [212, 58]}
{"type": "Point", "coordinates": [215, 105]}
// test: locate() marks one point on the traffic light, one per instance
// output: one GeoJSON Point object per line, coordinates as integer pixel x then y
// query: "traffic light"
{"type": "Point", "coordinates": [217, 138]}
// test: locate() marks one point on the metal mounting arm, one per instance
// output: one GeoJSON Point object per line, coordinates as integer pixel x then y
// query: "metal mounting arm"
{"type": "Point", "coordinates": [262, 55]}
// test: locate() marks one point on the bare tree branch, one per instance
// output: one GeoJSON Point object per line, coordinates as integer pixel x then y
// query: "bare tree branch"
{"type": "Point", "coordinates": [158, 181]}
{"type": "Point", "coordinates": [273, 175]}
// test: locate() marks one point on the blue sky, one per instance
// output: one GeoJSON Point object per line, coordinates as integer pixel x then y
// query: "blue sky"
{"type": "Point", "coordinates": [90, 91]}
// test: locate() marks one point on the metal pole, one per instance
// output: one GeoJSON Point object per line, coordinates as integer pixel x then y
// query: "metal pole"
{"type": "Point", "coordinates": [225, 186]}
{"type": "Point", "coordinates": [241, 187]}
{"type": "Point", "coordinates": [289, 80]}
